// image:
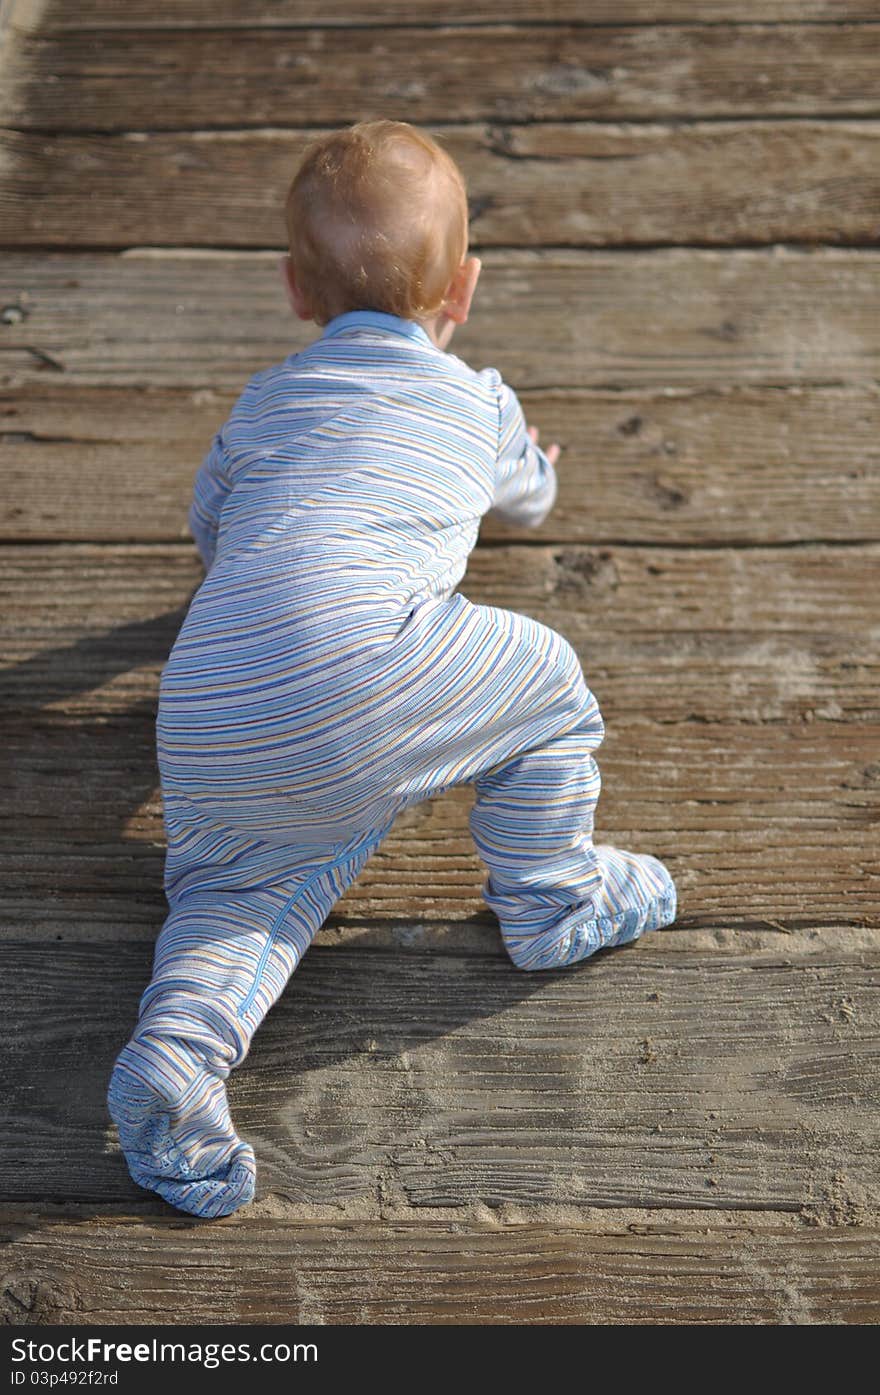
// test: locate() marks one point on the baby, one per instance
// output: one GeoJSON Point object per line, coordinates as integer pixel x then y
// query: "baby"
{"type": "Point", "coordinates": [328, 674]}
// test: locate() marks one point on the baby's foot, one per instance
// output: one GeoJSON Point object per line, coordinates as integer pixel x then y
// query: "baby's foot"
{"type": "Point", "coordinates": [637, 895]}
{"type": "Point", "coordinates": [175, 1131]}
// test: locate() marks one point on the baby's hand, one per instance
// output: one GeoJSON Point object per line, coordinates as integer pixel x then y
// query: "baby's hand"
{"type": "Point", "coordinates": [552, 452]}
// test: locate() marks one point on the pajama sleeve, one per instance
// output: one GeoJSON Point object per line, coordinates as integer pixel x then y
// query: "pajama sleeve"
{"type": "Point", "coordinates": [525, 485]}
{"type": "Point", "coordinates": [212, 485]}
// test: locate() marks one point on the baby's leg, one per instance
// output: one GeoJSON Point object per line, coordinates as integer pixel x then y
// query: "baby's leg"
{"type": "Point", "coordinates": [557, 897]}
{"type": "Point", "coordinates": [222, 958]}
{"type": "Point", "coordinates": [498, 700]}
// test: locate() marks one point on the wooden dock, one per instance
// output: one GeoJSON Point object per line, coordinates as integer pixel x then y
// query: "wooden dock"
{"type": "Point", "coordinates": [677, 207]}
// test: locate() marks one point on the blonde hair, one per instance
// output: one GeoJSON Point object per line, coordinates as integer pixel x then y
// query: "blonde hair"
{"type": "Point", "coordinates": [377, 219]}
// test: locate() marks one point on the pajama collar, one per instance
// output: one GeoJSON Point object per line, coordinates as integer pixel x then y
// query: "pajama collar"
{"type": "Point", "coordinates": [378, 319]}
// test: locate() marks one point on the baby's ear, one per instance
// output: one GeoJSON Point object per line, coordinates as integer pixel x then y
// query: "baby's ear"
{"type": "Point", "coordinates": [284, 273]}
{"type": "Point", "coordinates": [466, 284]}
{"type": "Point", "coordinates": [295, 297]}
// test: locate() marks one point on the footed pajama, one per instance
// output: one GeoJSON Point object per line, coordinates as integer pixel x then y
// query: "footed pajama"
{"type": "Point", "coordinates": [327, 675]}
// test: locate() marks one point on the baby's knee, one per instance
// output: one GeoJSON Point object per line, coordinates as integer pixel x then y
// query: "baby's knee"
{"type": "Point", "coordinates": [576, 696]}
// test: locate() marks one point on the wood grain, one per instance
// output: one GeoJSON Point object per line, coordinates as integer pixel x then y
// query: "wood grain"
{"type": "Point", "coordinates": [718, 183]}
{"type": "Point", "coordinates": [670, 317]}
{"type": "Point", "coordinates": [750, 1270]}
{"type": "Point", "coordinates": [748, 465]}
{"type": "Point", "coordinates": [214, 78]}
{"type": "Point", "coordinates": [411, 1081]}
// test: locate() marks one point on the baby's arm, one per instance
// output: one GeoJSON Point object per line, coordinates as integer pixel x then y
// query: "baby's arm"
{"type": "Point", "coordinates": [211, 487]}
{"type": "Point", "coordinates": [525, 488]}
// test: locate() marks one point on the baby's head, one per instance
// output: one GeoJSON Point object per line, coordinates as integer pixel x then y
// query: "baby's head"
{"type": "Point", "coordinates": [377, 219]}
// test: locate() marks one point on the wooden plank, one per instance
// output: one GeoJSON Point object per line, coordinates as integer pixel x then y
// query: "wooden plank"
{"type": "Point", "coordinates": [57, 15]}
{"type": "Point", "coordinates": [735, 686]}
{"type": "Point", "coordinates": [213, 78]}
{"type": "Point", "coordinates": [763, 634]}
{"type": "Point", "coordinates": [752, 1269]}
{"type": "Point", "coordinates": [779, 701]}
{"type": "Point", "coordinates": [774, 824]}
{"type": "Point", "coordinates": [408, 1081]}
{"type": "Point", "coordinates": [718, 183]}
{"type": "Point", "coordinates": [600, 319]}
{"type": "Point", "coordinates": [742, 466]}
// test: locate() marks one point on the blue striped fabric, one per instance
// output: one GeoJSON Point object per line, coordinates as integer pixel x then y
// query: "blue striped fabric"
{"type": "Point", "coordinates": [326, 676]}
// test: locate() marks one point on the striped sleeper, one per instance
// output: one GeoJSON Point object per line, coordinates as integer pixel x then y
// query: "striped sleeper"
{"type": "Point", "coordinates": [328, 675]}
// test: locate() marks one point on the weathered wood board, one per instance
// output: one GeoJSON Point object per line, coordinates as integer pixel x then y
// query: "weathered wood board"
{"type": "Point", "coordinates": [710, 184]}
{"type": "Point", "coordinates": [208, 78]}
{"type": "Point", "coordinates": [56, 15]}
{"type": "Point", "coordinates": [748, 1269]}
{"type": "Point", "coordinates": [715, 467]}
{"type": "Point", "coordinates": [768, 634]}
{"type": "Point", "coordinates": [634, 1079]}
{"type": "Point", "coordinates": [772, 823]}
{"type": "Point", "coordinates": [560, 319]}
{"type": "Point", "coordinates": [757, 778]}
